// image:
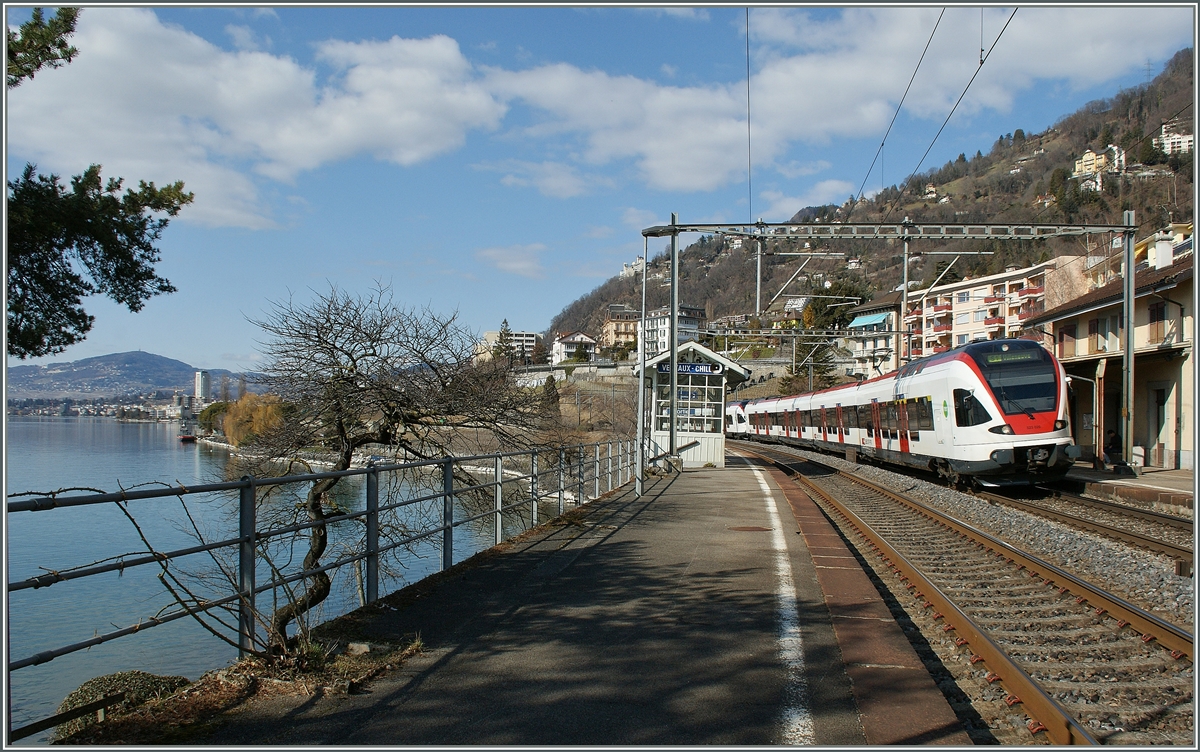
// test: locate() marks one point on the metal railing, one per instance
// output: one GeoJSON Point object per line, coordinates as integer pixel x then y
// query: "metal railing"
{"type": "Point", "coordinates": [448, 479]}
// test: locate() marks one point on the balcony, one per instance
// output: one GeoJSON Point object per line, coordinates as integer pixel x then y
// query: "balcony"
{"type": "Point", "coordinates": [1032, 291]}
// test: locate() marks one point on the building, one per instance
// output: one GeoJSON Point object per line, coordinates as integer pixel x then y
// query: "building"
{"type": "Point", "coordinates": [998, 306]}
{"type": "Point", "coordinates": [702, 380]}
{"type": "Point", "coordinates": [568, 346]}
{"type": "Point", "coordinates": [658, 328]}
{"type": "Point", "coordinates": [1088, 337]}
{"type": "Point", "coordinates": [202, 389]}
{"type": "Point", "coordinates": [522, 344]}
{"type": "Point", "coordinates": [1105, 264]}
{"type": "Point", "coordinates": [620, 326]}
{"type": "Point", "coordinates": [634, 269]}
{"type": "Point", "coordinates": [1171, 141]}
{"type": "Point", "coordinates": [874, 346]}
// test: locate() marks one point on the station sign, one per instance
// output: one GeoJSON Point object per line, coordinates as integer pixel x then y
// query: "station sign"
{"type": "Point", "coordinates": [705, 368]}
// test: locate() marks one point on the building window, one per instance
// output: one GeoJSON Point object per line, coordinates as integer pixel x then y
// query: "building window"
{"type": "Point", "coordinates": [1158, 322]}
{"type": "Point", "coordinates": [1066, 342]}
{"type": "Point", "coordinates": [1095, 344]}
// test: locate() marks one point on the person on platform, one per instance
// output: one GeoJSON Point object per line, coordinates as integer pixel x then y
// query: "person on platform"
{"type": "Point", "coordinates": [1112, 448]}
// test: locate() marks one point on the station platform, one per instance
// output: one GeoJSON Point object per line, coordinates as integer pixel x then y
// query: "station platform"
{"type": "Point", "coordinates": [1171, 491]}
{"type": "Point", "coordinates": [719, 608]}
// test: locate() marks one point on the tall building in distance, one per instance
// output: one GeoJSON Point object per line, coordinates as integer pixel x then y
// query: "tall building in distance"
{"type": "Point", "coordinates": [203, 386]}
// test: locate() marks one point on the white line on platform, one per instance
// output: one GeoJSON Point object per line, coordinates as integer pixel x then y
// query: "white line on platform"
{"type": "Point", "coordinates": [797, 715]}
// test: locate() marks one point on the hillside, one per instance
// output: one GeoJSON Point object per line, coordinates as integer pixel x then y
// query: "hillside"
{"type": "Point", "coordinates": [107, 376]}
{"type": "Point", "coordinates": [1024, 177]}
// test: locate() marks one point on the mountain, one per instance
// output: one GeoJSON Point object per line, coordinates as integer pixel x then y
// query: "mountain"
{"type": "Point", "coordinates": [1024, 177]}
{"type": "Point", "coordinates": [107, 376]}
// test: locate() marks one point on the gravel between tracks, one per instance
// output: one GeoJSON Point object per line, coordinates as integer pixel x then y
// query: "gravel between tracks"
{"type": "Point", "coordinates": [1143, 578]}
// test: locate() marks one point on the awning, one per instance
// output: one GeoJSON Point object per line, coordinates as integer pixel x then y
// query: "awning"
{"type": "Point", "coordinates": [868, 320]}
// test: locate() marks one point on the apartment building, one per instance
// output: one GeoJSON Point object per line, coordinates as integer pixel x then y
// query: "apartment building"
{"type": "Point", "coordinates": [572, 346]}
{"type": "Point", "coordinates": [1171, 141]}
{"type": "Point", "coordinates": [998, 306]}
{"type": "Point", "coordinates": [874, 347]}
{"type": "Point", "coordinates": [620, 326]}
{"type": "Point", "coordinates": [657, 327]}
{"type": "Point", "coordinates": [522, 344]}
{"type": "Point", "coordinates": [1088, 336]}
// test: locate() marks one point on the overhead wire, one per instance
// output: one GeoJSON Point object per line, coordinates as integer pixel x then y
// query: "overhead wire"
{"type": "Point", "coordinates": [954, 108]}
{"type": "Point", "coordinates": [897, 113]}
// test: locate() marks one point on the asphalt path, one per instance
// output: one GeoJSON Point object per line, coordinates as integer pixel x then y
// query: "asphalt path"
{"type": "Point", "coordinates": [689, 616]}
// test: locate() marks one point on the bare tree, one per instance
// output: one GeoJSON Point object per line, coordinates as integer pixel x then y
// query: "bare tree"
{"type": "Point", "coordinates": [362, 371]}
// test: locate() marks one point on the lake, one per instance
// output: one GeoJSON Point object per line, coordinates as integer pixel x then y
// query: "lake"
{"type": "Point", "coordinates": [48, 454]}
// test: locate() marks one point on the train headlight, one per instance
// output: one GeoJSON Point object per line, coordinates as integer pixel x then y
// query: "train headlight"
{"type": "Point", "coordinates": [1005, 429]}
{"type": "Point", "coordinates": [1060, 425]}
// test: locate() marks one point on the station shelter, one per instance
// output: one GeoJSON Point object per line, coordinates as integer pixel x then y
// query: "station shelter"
{"type": "Point", "coordinates": [703, 378]}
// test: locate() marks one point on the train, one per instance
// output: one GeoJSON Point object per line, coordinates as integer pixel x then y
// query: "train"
{"type": "Point", "coordinates": [990, 413]}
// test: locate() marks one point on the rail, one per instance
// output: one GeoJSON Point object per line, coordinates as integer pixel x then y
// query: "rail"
{"type": "Point", "coordinates": [579, 469]}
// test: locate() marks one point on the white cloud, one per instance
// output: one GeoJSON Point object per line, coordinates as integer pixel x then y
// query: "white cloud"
{"type": "Point", "coordinates": [552, 179]}
{"type": "Point", "coordinates": [522, 260]}
{"type": "Point", "coordinates": [153, 101]}
{"type": "Point", "coordinates": [825, 192]}
{"type": "Point", "coordinates": [640, 219]}
{"type": "Point", "coordinates": [691, 14]}
{"type": "Point", "coordinates": [243, 37]}
{"type": "Point", "coordinates": [160, 103]}
{"type": "Point", "coordinates": [796, 169]}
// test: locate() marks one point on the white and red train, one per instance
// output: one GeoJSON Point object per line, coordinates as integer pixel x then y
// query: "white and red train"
{"type": "Point", "coordinates": [993, 411]}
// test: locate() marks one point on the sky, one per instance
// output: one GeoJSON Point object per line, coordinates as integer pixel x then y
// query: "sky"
{"type": "Point", "coordinates": [501, 161]}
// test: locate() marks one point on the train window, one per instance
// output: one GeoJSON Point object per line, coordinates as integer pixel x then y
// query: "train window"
{"type": "Point", "coordinates": [865, 420]}
{"type": "Point", "coordinates": [914, 419]}
{"type": "Point", "coordinates": [968, 411]}
{"type": "Point", "coordinates": [924, 414]}
{"type": "Point", "coordinates": [850, 417]}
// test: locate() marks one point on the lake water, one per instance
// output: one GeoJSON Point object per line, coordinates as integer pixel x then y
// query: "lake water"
{"type": "Point", "coordinates": [49, 454]}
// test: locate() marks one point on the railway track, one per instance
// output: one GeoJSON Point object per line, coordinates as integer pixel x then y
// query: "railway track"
{"type": "Point", "coordinates": [1155, 531]}
{"type": "Point", "coordinates": [1076, 663]}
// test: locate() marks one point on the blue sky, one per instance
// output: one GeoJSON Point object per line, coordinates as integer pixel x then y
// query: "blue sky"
{"type": "Point", "coordinates": [501, 161]}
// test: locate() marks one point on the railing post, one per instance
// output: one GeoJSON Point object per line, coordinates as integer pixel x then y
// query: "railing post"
{"type": "Point", "coordinates": [579, 476]}
{"type": "Point", "coordinates": [562, 477]}
{"type": "Point", "coordinates": [499, 498]}
{"type": "Point", "coordinates": [372, 584]}
{"type": "Point", "coordinates": [596, 473]}
{"type": "Point", "coordinates": [246, 525]}
{"type": "Point", "coordinates": [609, 453]}
{"type": "Point", "coordinates": [448, 513]}
{"type": "Point", "coordinates": [533, 489]}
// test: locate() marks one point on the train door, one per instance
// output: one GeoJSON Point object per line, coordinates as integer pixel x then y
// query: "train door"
{"type": "Point", "coordinates": [902, 418]}
{"type": "Point", "coordinates": [876, 418]}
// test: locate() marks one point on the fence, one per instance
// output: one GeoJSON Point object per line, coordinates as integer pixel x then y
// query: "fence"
{"type": "Point", "coordinates": [511, 481]}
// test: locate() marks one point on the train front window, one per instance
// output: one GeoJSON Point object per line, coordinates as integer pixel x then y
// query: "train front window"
{"type": "Point", "coordinates": [1021, 376]}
